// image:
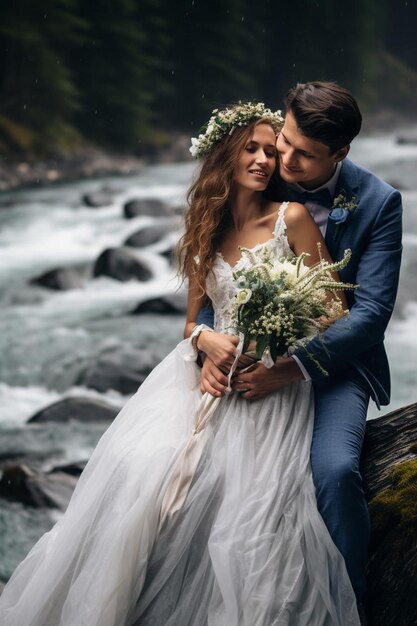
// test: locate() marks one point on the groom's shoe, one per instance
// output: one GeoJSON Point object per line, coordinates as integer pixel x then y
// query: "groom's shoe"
{"type": "Point", "coordinates": [362, 614]}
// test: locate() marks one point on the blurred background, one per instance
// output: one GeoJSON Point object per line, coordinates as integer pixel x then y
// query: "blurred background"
{"type": "Point", "coordinates": [98, 101]}
{"type": "Point", "coordinates": [126, 73]}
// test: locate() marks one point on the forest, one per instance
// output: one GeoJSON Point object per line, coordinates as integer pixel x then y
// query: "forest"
{"type": "Point", "coordinates": [125, 74]}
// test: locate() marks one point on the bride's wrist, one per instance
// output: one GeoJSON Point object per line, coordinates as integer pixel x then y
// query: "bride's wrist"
{"type": "Point", "coordinates": [196, 335]}
{"type": "Point", "coordinates": [200, 342]}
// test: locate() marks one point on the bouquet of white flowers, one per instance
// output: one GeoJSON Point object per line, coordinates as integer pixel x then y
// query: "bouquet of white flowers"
{"type": "Point", "coordinates": [282, 303]}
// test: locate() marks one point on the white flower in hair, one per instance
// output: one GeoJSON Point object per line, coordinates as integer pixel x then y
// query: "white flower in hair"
{"type": "Point", "coordinates": [223, 123]}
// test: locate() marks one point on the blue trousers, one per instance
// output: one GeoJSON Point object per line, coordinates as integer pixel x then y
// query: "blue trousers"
{"type": "Point", "coordinates": [339, 429]}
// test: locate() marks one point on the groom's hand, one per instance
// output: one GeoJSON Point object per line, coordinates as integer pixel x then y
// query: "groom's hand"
{"type": "Point", "coordinates": [260, 381]}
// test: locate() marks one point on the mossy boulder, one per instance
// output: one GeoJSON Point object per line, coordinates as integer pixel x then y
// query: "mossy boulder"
{"type": "Point", "coordinates": [390, 469]}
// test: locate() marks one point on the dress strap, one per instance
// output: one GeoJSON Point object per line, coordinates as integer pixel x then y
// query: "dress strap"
{"type": "Point", "coordinates": [280, 225]}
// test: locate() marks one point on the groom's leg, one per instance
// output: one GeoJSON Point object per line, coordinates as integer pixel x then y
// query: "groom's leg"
{"type": "Point", "coordinates": [339, 429]}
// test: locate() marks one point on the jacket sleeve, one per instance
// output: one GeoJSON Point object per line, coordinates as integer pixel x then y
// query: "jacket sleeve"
{"type": "Point", "coordinates": [374, 299]}
{"type": "Point", "coordinates": [206, 316]}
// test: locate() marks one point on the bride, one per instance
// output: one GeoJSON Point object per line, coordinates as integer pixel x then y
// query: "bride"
{"type": "Point", "coordinates": [243, 544]}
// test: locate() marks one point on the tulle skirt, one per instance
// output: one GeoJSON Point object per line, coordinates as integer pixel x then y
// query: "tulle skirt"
{"type": "Point", "coordinates": [247, 547]}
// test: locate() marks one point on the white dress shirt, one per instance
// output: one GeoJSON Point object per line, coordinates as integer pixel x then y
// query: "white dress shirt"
{"type": "Point", "coordinates": [319, 213]}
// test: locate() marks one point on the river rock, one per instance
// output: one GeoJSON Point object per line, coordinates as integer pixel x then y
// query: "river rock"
{"type": "Point", "coordinates": [174, 304]}
{"type": "Point", "coordinates": [20, 483]}
{"type": "Point", "coordinates": [146, 206]}
{"type": "Point", "coordinates": [76, 408]}
{"type": "Point", "coordinates": [171, 256]}
{"type": "Point", "coordinates": [148, 235]}
{"type": "Point", "coordinates": [35, 459]}
{"type": "Point", "coordinates": [60, 279]}
{"type": "Point", "coordinates": [123, 369]}
{"type": "Point", "coordinates": [73, 469]}
{"type": "Point", "coordinates": [410, 139]}
{"type": "Point", "coordinates": [390, 471]}
{"type": "Point", "coordinates": [122, 264]}
{"type": "Point", "coordinates": [97, 199]}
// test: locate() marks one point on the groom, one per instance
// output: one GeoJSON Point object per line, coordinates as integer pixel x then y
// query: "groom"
{"type": "Point", "coordinates": [321, 120]}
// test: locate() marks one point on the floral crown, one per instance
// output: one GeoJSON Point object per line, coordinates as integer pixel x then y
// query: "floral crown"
{"type": "Point", "coordinates": [224, 122]}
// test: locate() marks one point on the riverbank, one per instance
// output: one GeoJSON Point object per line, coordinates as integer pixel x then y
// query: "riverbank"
{"type": "Point", "coordinates": [87, 162]}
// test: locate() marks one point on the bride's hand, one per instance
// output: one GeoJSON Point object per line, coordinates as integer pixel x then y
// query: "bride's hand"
{"type": "Point", "coordinates": [220, 348]}
{"type": "Point", "coordinates": [213, 381]}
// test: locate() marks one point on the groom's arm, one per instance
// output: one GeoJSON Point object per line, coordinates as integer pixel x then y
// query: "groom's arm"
{"type": "Point", "coordinates": [206, 315]}
{"type": "Point", "coordinates": [374, 299]}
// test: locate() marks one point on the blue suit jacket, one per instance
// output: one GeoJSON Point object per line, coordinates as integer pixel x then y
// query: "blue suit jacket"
{"type": "Point", "coordinates": [373, 233]}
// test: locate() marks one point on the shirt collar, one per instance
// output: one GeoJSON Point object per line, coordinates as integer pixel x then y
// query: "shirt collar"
{"type": "Point", "coordinates": [330, 184]}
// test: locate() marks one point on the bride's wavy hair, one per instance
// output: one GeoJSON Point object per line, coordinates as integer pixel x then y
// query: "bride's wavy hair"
{"type": "Point", "coordinates": [208, 215]}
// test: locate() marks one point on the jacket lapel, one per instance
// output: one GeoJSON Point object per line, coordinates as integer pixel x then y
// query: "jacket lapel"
{"type": "Point", "coordinates": [348, 185]}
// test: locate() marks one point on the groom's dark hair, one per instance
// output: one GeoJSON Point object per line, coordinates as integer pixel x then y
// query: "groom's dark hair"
{"type": "Point", "coordinates": [326, 112]}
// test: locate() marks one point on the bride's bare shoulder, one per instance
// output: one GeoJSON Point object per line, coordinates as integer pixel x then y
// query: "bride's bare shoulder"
{"type": "Point", "coordinates": [296, 214]}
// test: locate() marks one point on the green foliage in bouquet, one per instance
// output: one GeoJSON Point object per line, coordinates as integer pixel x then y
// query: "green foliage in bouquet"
{"type": "Point", "coordinates": [282, 303]}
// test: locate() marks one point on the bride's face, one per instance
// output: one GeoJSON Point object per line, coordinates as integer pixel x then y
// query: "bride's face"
{"type": "Point", "coordinates": [257, 161]}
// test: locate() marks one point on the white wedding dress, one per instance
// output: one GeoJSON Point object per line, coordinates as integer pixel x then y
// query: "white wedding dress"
{"type": "Point", "coordinates": [247, 548]}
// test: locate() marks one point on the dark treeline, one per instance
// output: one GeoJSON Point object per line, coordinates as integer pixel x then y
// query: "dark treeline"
{"type": "Point", "coordinates": [125, 73]}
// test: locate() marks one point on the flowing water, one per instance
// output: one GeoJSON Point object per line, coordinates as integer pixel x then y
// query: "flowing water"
{"type": "Point", "coordinates": [48, 337]}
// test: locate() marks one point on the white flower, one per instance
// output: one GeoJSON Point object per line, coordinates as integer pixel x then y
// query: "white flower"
{"type": "Point", "coordinates": [289, 268]}
{"type": "Point", "coordinates": [290, 280]}
{"type": "Point", "coordinates": [194, 146]}
{"type": "Point", "coordinates": [243, 296]}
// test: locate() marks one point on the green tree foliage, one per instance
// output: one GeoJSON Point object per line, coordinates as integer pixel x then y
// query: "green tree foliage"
{"type": "Point", "coordinates": [121, 73]}
{"type": "Point", "coordinates": [38, 94]}
{"type": "Point", "coordinates": [323, 40]}
{"type": "Point", "coordinates": [216, 52]}
{"type": "Point", "coordinates": [118, 70]}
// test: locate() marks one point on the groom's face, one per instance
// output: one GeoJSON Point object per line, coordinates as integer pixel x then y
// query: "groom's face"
{"type": "Point", "coordinates": [303, 160]}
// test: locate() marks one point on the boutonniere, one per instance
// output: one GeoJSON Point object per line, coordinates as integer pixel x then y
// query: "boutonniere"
{"type": "Point", "coordinates": [341, 211]}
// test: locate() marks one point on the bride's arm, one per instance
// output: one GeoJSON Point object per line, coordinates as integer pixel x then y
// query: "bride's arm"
{"type": "Point", "coordinates": [195, 300]}
{"type": "Point", "coordinates": [220, 348]}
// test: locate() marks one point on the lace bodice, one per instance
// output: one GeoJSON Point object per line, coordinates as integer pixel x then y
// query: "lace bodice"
{"type": "Point", "coordinates": [221, 288]}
